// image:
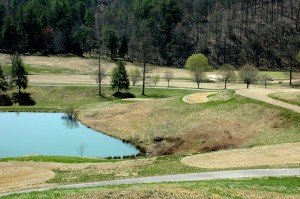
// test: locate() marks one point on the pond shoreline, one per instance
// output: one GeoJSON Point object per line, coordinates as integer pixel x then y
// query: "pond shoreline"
{"type": "Point", "coordinates": [137, 148]}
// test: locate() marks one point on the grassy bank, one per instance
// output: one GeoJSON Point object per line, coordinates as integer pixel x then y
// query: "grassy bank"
{"type": "Point", "coordinates": [57, 159]}
{"type": "Point", "coordinates": [286, 187]}
{"type": "Point", "coordinates": [168, 126]}
{"type": "Point", "coordinates": [291, 98]}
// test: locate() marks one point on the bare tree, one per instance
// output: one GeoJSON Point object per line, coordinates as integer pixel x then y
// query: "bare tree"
{"type": "Point", "coordinates": [248, 74]}
{"type": "Point", "coordinates": [155, 79]}
{"type": "Point", "coordinates": [226, 74]}
{"type": "Point", "coordinates": [100, 75]}
{"type": "Point", "coordinates": [81, 149]}
{"type": "Point", "coordinates": [264, 79]}
{"type": "Point", "coordinates": [135, 76]}
{"type": "Point", "coordinates": [169, 76]}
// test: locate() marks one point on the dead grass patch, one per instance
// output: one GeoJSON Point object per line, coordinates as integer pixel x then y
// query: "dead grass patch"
{"type": "Point", "coordinates": [257, 156]}
{"type": "Point", "coordinates": [208, 127]}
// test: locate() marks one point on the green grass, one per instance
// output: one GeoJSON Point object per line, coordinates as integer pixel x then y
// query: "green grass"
{"type": "Point", "coordinates": [291, 98]}
{"type": "Point", "coordinates": [37, 70]}
{"type": "Point", "coordinates": [59, 159]}
{"type": "Point", "coordinates": [272, 187]}
{"type": "Point", "coordinates": [58, 98]}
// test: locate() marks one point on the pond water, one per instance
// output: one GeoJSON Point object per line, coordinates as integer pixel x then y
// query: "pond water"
{"type": "Point", "coordinates": [50, 134]}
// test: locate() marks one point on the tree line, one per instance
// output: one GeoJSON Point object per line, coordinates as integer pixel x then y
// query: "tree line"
{"type": "Point", "coordinates": [264, 33]}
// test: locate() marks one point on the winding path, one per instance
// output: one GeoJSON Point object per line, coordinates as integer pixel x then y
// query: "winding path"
{"type": "Point", "coordinates": [234, 174]}
{"type": "Point", "coordinates": [262, 95]}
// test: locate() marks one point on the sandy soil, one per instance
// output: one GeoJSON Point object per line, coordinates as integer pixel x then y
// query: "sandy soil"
{"type": "Point", "coordinates": [257, 156]}
{"type": "Point", "coordinates": [21, 175]}
{"type": "Point", "coordinates": [137, 99]}
{"type": "Point", "coordinates": [197, 98]}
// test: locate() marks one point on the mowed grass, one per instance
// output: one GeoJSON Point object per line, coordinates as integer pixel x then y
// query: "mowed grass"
{"type": "Point", "coordinates": [35, 70]}
{"type": "Point", "coordinates": [291, 98]}
{"type": "Point", "coordinates": [272, 187]}
{"type": "Point", "coordinates": [58, 98]}
{"type": "Point", "coordinates": [169, 126]}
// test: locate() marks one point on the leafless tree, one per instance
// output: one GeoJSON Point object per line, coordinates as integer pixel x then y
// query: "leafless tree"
{"type": "Point", "coordinates": [264, 79]}
{"type": "Point", "coordinates": [169, 76]}
{"type": "Point", "coordinates": [155, 79]}
{"type": "Point", "coordinates": [81, 149]}
{"type": "Point", "coordinates": [248, 74]}
{"type": "Point", "coordinates": [135, 76]}
{"type": "Point", "coordinates": [226, 74]}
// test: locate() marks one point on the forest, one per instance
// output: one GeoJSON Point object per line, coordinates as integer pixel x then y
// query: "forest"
{"type": "Point", "coordinates": [264, 33]}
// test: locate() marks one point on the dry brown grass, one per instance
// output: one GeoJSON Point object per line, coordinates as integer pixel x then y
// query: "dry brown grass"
{"type": "Point", "coordinates": [20, 175]}
{"type": "Point", "coordinates": [231, 124]}
{"type": "Point", "coordinates": [257, 156]}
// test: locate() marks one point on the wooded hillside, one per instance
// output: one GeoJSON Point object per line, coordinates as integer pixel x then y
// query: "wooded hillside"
{"type": "Point", "coordinates": [261, 32]}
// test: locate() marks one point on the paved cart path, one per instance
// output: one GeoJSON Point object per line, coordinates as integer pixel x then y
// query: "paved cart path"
{"type": "Point", "coordinates": [262, 95]}
{"type": "Point", "coordinates": [233, 174]}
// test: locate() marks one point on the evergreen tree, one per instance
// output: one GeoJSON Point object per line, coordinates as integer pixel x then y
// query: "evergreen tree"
{"type": "Point", "coordinates": [123, 50]}
{"type": "Point", "coordinates": [3, 82]}
{"type": "Point", "coordinates": [18, 74]}
{"type": "Point", "coordinates": [119, 77]}
{"type": "Point", "coordinates": [110, 40]}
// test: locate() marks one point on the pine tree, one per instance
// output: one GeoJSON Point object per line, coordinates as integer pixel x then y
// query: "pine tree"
{"type": "Point", "coordinates": [3, 82]}
{"type": "Point", "coordinates": [119, 78]}
{"type": "Point", "coordinates": [18, 74]}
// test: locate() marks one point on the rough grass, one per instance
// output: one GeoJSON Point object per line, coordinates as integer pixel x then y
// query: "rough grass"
{"type": "Point", "coordinates": [233, 122]}
{"type": "Point", "coordinates": [272, 187]}
{"type": "Point", "coordinates": [291, 97]}
{"type": "Point", "coordinates": [58, 159]}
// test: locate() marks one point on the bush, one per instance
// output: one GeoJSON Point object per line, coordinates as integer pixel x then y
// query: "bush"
{"type": "Point", "coordinates": [23, 99]}
{"type": "Point", "coordinates": [120, 95]}
{"type": "Point", "coordinates": [5, 100]}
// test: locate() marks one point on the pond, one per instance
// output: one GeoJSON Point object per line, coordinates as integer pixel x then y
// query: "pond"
{"type": "Point", "coordinates": [51, 134]}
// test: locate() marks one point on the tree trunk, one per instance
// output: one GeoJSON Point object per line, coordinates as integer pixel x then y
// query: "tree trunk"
{"type": "Point", "coordinates": [225, 85]}
{"type": "Point", "coordinates": [198, 85]}
{"type": "Point", "coordinates": [99, 73]}
{"type": "Point", "coordinates": [291, 75]}
{"type": "Point", "coordinates": [248, 85]}
{"type": "Point", "coordinates": [168, 83]}
{"type": "Point", "coordinates": [144, 76]}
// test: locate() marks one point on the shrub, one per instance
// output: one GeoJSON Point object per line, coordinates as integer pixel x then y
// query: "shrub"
{"type": "Point", "coordinates": [120, 95]}
{"type": "Point", "coordinates": [23, 99]}
{"type": "Point", "coordinates": [5, 100]}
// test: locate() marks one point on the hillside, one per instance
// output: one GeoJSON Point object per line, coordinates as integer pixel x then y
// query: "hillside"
{"type": "Point", "coordinates": [262, 32]}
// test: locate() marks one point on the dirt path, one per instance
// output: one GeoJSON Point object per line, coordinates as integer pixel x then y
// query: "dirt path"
{"type": "Point", "coordinates": [262, 95]}
{"type": "Point", "coordinates": [23, 175]}
{"type": "Point", "coordinates": [237, 174]}
{"type": "Point", "coordinates": [281, 154]}
{"type": "Point", "coordinates": [197, 98]}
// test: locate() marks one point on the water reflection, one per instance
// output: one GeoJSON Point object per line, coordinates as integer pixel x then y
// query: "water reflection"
{"type": "Point", "coordinates": [70, 122]}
